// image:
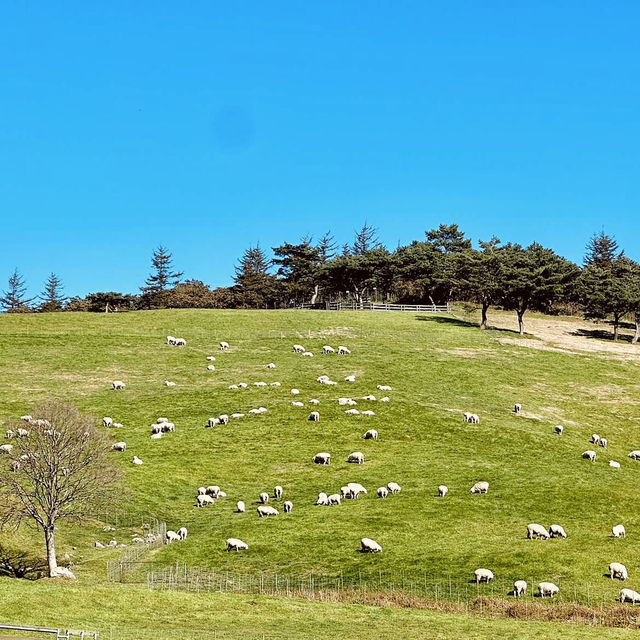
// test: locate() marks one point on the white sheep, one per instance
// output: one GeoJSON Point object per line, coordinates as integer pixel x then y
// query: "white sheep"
{"type": "Point", "coordinates": [242, 385]}
{"type": "Point", "coordinates": [237, 415]}
{"type": "Point", "coordinates": [352, 412]}
{"type": "Point", "coordinates": [327, 349]}
{"type": "Point", "coordinates": [595, 438]}
{"type": "Point", "coordinates": [213, 490]}
{"type": "Point", "coordinates": [233, 386]}
{"type": "Point", "coordinates": [323, 499]}
{"type": "Point", "coordinates": [346, 493]}
{"type": "Point", "coordinates": [298, 348]}
{"type": "Point", "coordinates": [212, 422]}
{"type": "Point", "coordinates": [322, 458]}
{"type": "Point", "coordinates": [234, 544]}
{"type": "Point", "coordinates": [480, 487]}
{"type": "Point", "coordinates": [314, 416]}
{"type": "Point", "coordinates": [201, 491]}
{"type": "Point", "coordinates": [277, 492]}
{"type": "Point", "coordinates": [370, 546]}
{"type": "Point", "coordinates": [295, 392]}
{"type": "Point", "coordinates": [223, 418]}
{"type": "Point", "coordinates": [519, 586]}
{"type": "Point", "coordinates": [384, 387]}
{"type": "Point", "coordinates": [107, 421]}
{"type": "Point", "coordinates": [297, 403]}
{"type": "Point", "coordinates": [517, 408]}
{"type": "Point", "coordinates": [264, 497]}
{"type": "Point", "coordinates": [6, 448]}
{"type": "Point", "coordinates": [211, 358]}
{"type": "Point", "coordinates": [322, 379]}
{"type": "Point", "coordinates": [169, 383]}
{"type": "Point", "coordinates": [483, 575]}
{"type": "Point", "coordinates": [559, 429]}
{"type": "Point", "coordinates": [370, 398]}
{"type": "Point", "coordinates": [619, 531]}
{"type": "Point", "coordinates": [264, 511]}
{"type": "Point", "coordinates": [537, 531]}
{"type": "Point", "coordinates": [171, 536]}
{"type": "Point", "coordinates": [629, 595]}
{"type": "Point", "coordinates": [383, 492]}
{"type": "Point", "coordinates": [308, 354]}
{"type": "Point", "coordinates": [271, 365]}
{"type": "Point", "coordinates": [224, 346]}
{"type": "Point", "coordinates": [356, 489]}
{"type": "Point", "coordinates": [260, 384]}
{"type": "Point", "coordinates": [443, 490]}
{"type": "Point", "coordinates": [371, 434]}
{"type": "Point", "coordinates": [589, 455]}
{"type": "Point", "coordinates": [343, 351]}
{"type": "Point", "coordinates": [182, 533]}
{"type": "Point", "coordinates": [26, 418]}
{"type": "Point", "coordinates": [557, 531]}
{"type": "Point", "coordinates": [350, 378]}
{"type": "Point", "coordinates": [287, 506]}
{"type": "Point", "coordinates": [357, 457]}
{"type": "Point", "coordinates": [204, 500]}
{"type": "Point", "coordinates": [275, 384]}
{"type": "Point", "coordinates": [635, 455]}
{"type": "Point", "coordinates": [314, 401]}
{"type": "Point", "coordinates": [333, 500]}
{"type": "Point", "coordinates": [618, 571]}
{"type": "Point", "coordinates": [394, 487]}
{"type": "Point", "coordinates": [156, 436]}
{"type": "Point", "coordinates": [346, 401]}
{"type": "Point", "coordinates": [180, 342]}
{"type": "Point", "coordinates": [211, 367]}
{"type": "Point", "coordinates": [171, 340]}
{"type": "Point", "coordinates": [118, 385]}
{"type": "Point", "coordinates": [547, 589]}
{"type": "Point", "coordinates": [118, 446]}
{"type": "Point", "coordinates": [368, 412]}
{"type": "Point", "coordinates": [167, 427]}
{"type": "Point", "coordinates": [136, 460]}
{"type": "Point", "coordinates": [240, 507]}
{"type": "Point", "coordinates": [23, 433]}
{"type": "Point", "coordinates": [385, 399]}
{"type": "Point", "coordinates": [604, 442]}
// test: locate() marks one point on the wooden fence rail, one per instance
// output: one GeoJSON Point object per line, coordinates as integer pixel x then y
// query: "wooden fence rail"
{"type": "Point", "coordinates": [372, 306]}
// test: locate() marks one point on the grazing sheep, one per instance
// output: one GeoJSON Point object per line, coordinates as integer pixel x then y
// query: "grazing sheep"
{"type": "Point", "coordinates": [383, 492]}
{"type": "Point", "coordinates": [371, 434]}
{"type": "Point", "coordinates": [370, 546]}
{"type": "Point", "coordinates": [356, 489]}
{"type": "Point", "coordinates": [483, 575]}
{"type": "Point", "coordinates": [357, 457]}
{"type": "Point", "coordinates": [161, 420]}
{"type": "Point", "coordinates": [352, 412]}
{"type": "Point", "coordinates": [204, 500]}
{"type": "Point", "coordinates": [275, 384]}
{"type": "Point", "coordinates": [384, 387]}
{"type": "Point", "coordinates": [322, 379]}
{"type": "Point", "coordinates": [211, 358]}
{"type": "Point", "coordinates": [171, 340]}
{"type": "Point", "coordinates": [10, 434]}
{"type": "Point", "coordinates": [156, 436]}
{"type": "Point", "coordinates": [171, 536]}
{"type": "Point", "coordinates": [343, 351]}
{"type": "Point", "coordinates": [223, 418]}
{"type": "Point", "coordinates": [618, 571]}
{"type": "Point", "coordinates": [237, 415]}
{"type": "Point", "coordinates": [118, 446]}
{"type": "Point", "coordinates": [394, 487]}
{"type": "Point", "coordinates": [259, 384]}
{"type": "Point", "coordinates": [26, 418]}
{"type": "Point", "coordinates": [346, 401]}
{"type": "Point", "coordinates": [288, 506]}
{"type": "Point", "coordinates": [557, 531]}
{"type": "Point", "coordinates": [213, 490]}
{"type": "Point", "coordinates": [234, 544]}
{"type": "Point", "coordinates": [298, 348]}
{"type": "Point", "coordinates": [322, 458]}
{"type": "Point", "coordinates": [385, 399]}
{"type": "Point", "coordinates": [604, 442]}
{"type": "Point", "coordinates": [475, 419]}
{"type": "Point", "coordinates": [168, 383]}
{"type": "Point", "coordinates": [517, 408]}
{"type": "Point", "coordinates": [330, 383]}
{"type": "Point", "coordinates": [559, 429]}
{"type": "Point", "coordinates": [23, 433]}
{"type": "Point", "coordinates": [277, 492]}
{"type": "Point", "coordinates": [182, 533]}
{"type": "Point", "coordinates": [212, 422]}
{"type": "Point", "coordinates": [619, 531]}
{"type": "Point", "coordinates": [271, 365]}
{"type": "Point", "coordinates": [368, 412]}
{"type": "Point", "coordinates": [168, 427]}
{"type": "Point", "coordinates": [264, 497]}
{"type": "Point", "coordinates": [6, 448]}
{"type": "Point", "coordinates": [519, 586]}
{"type": "Point", "coordinates": [233, 386]}
{"type": "Point", "coordinates": [180, 342]}
{"type": "Point", "coordinates": [635, 455]}
{"type": "Point", "coordinates": [323, 499]}
{"type": "Point", "coordinates": [629, 595]}
{"type": "Point", "coordinates": [443, 490]}
{"type": "Point", "coordinates": [314, 401]}
{"type": "Point", "coordinates": [547, 589]}
{"type": "Point", "coordinates": [264, 511]}
{"type": "Point", "coordinates": [327, 350]}
{"type": "Point", "coordinates": [346, 493]}
{"type": "Point", "coordinates": [297, 403]}
{"type": "Point", "coordinates": [262, 410]}
{"type": "Point", "coordinates": [537, 531]}
{"type": "Point", "coordinates": [308, 354]}
{"type": "Point", "coordinates": [117, 385]}
{"type": "Point", "coordinates": [333, 500]}
{"type": "Point", "coordinates": [314, 416]}
{"type": "Point", "coordinates": [224, 346]}
{"type": "Point", "coordinates": [107, 421]}
{"type": "Point", "coordinates": [211, 367]}
{"type": "Point", "coordinates": [240, 507]}
{"type": "Point", "coordinates": [295, 392]}
{"type": "Point", "coordinates": [156, 428]}
{"type": "Point", "coordinates": [480, 487]}
{"type": "Point", "coordinates": [201, 491]}
{"type": "Point", "coordinates": [595, 438]}
{"type": "Point", "coordinates": [589, 455]}
{"type": "Point", "coordinates": [370, 398]}
{"type": "Point", "coordinates": [136, 460]}
{"type": "Point", "coordinates": [350, 378]}
{"type": "Point", "coordinates": [242, 385]}
{"type": "Point", "coordinates": [222, 494]}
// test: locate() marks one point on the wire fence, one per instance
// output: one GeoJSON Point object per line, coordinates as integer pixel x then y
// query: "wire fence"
{"type": "Point", "coordinates": [133, 556]}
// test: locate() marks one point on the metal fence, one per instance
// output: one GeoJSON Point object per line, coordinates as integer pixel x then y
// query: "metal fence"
{"type": "Point", "coordinates": [60, 634]}
{"type": "Point", "coordinates": [133, 557]}
{"type": "Point", "coordinates": [372, 306]}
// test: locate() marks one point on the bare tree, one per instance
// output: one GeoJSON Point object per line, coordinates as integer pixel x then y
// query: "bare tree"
{"type": "Point", "coordinates": [61, 470]}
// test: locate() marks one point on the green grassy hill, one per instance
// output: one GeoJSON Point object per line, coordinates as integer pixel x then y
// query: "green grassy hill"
{"type": "Point", "coordinates": [438, 368]}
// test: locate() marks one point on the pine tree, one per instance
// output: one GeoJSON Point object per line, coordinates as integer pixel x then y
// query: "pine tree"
{"type": "Point", "coordinates": [162, 276]}
{"type": "Point", "coordinates": [366, 240]}
{"type": "Point", "coordinates": [14, 299]}
{"type": "Point", "coordinates": [602, 250]}
{"type": "Point", "coordinates": [254, 286]}
{"type": "Point", "coordinates": [52, 298]}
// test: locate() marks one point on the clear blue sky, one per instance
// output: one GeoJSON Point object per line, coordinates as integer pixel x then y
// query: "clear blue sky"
{"type": "Point", "coordinates": [212, 126]}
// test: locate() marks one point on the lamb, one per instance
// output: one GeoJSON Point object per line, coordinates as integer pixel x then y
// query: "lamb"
{"type": "Point", "coordinates": [343, 351]}
{"type": "Point", "coordinates": [350, 378]}
{"type": "Point", "coordinates": [589, 455]}
{"type": "Point", "coordinates": [323, 499]}
{"type": "Point", "coordinates": [327, 350]}
{"type": "Point", "coordinates": [519, 586]}
{"type": "Point", "coordinates": [346, 493]}
{"type": "Point", "coordinates": [322, 458]}
{"type": "Point", "coordinates": [333, 500]}
{"type": "Point", "coordinates": [271, 365]}
{"type": "Point", "coordinates": [394, 487]}
{"type": "Point", "coordinates": [213, 491]}
{"type": "Point", "coordinates": [107, 421]}
{"type": "Point", "coordinates": [618, 571]}
{"type": "Point", "coordinates": [629, 595]}
{"type": "Point", "coordinates": [171, 536]}
{"type": "Point", "coordinates": [118, 446]}
{"type": "Point", "coordinates": [118, 385]}
{"type": "Point", "coordinates": [264, 511]}
{"type": "Point", "coordinates": [264, 497]}
{"type": "Point", "coordinates": [537, 531]}
{"type": "Point", "coordinates": [224, 346]}
{"type": "Point", "coordinates": [383, 492]}
{"type": "Point", "coordinates": [604, 442]}
{"type": "Point", "coordinates": [308, 354]}
{"type": "Point", "coordinates": [559, 429]}
{"type": "Point", "coordinates": [136, 460]}
{"type": "Point", "coordinates": [384, 387]}
{"type": "Point", "coordinates": [182, 533]}
{"type": "Point", "coordinates": [357, 457]}
{"type": "Point", "coordinates": [385, 399]}
{"type": "Point", "coordinates": [370, 398]}
{"type": "Point", "coordinates": [635, 455]}
{"type": "Point", "coordinates": [201, 491]}
{"type": "Point", "coordinates": [443, 490]}
{"type": "Point", "coordinates": [370, 546]}
{"type": "Point", "coordinates": [314, 416]}
{"type": "Point", "coordinates": [547, 589]}
{"type": "Point", "coordinates": [352, 412]}
{"type": "Point", "coordinates": [517, 408]}
{"type": "Point", "coordinates": [211, 367]}
{"type": "Point", "coordinates": [288, 506]}
{"type": "Point", "coordinates": [295, 392]}
{"type": "Point", "coordinates": [212, 422]}
{"type": "Point", "coordinates": [595, 438]}
{"type": "Point", "coordinates": [180, 342]}
{"type": "Point", "coordinates": [297, 403]}
{"type": "Point", "coordinates": [619, 531]}
{"type": "Point", "coordinates": [168, 383]}
{"type": "Point", "coordinates": [368, 412]}
{"type": "Point", "coordinates": [298, 348]}
{"type": "Point", "coordinates": [483, 575]}
{"type": "Point", "coordinates": [371, 434]}
{"type": "Point", "coordinates": [204, 500]}
{"type": "Point", "coordinates": [557, 531]}
{"type": "Point", "coordinates": [480, 487]}
{"type": "Point", "coordinates": [234, 544]}
{"type": "Point", "coordinates": [240, 507]}
{"type": "Point", "coordinates": [277, 492]}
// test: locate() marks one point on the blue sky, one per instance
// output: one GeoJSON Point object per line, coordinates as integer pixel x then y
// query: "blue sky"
{"type": "Point", "coordinates": [212, 126]}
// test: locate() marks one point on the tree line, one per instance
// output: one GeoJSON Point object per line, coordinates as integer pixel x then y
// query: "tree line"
{"type": "Point", "coordinates": [441, 268]}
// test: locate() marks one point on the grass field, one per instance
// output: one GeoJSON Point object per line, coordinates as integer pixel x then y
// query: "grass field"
{"type": "Point", "coordinates": [438, 368]}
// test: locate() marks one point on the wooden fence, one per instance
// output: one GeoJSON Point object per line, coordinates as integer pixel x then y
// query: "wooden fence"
{"type": "Point", "coordinates": [372, 306]}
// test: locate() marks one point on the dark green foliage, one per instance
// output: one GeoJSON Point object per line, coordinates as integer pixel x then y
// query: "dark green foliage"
{"type": "Point", "coordinates": [162, 276]}
{"type": "Point", "coordinates": [52, 298]}
{"type": "Point", "coordinates": [14, 298]}
{"type": "Point", "coordinates": [255, 287]}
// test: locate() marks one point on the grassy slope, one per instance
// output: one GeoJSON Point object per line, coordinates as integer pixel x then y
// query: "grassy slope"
{"type": "Point", "coordinates": [437, 369]}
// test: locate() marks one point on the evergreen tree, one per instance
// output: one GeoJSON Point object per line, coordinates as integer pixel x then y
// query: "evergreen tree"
{"type": "Point", "coordinates": [52, 298]}
{"type": "Point", "coordinates": [602, 250]}
{"type": "Point", "coordinates": [366, 239]}
{"type": "Point", "coordinates": [448, 239]}
{"type": "Point", "coordinates": [162, 276]}
{"type": "Point", "coordinates": [14, 299]}
{"type": "Point", "coordinates": [254, 286]}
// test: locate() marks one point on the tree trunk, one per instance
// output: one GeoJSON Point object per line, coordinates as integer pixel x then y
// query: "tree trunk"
{"type": "Point", "coordinates": [483, 321]}
{"type": "Point", "coordinates": [314, 297]}
{"type": "Point", "coordinates": [616, 323]}
{"type": "Point", "coordinates": [520, 313]}
{"type": "Point", "coordinates": [636, 335]}
{"type": "Point", "coordinates": [49, 538]}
